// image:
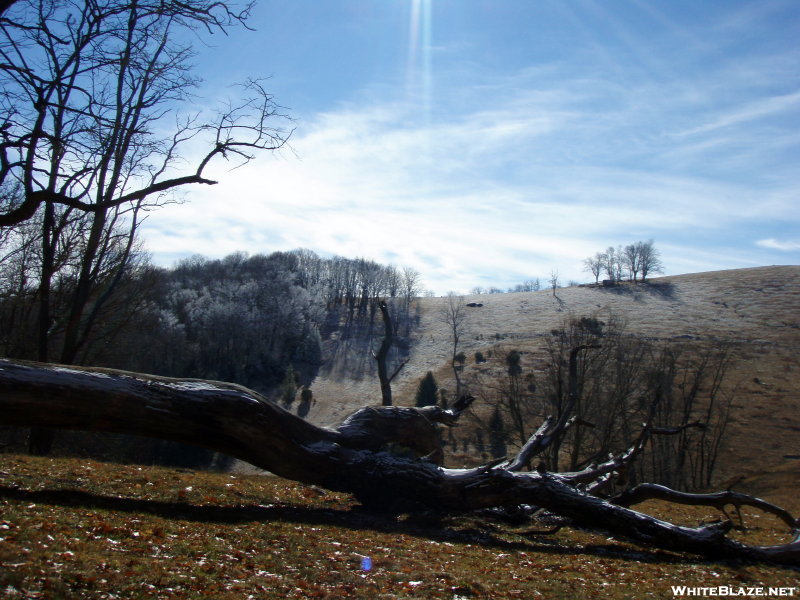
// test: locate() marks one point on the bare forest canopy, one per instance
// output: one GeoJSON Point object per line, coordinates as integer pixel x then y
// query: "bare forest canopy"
{"type": "Point", "coordinates": [244, 319]}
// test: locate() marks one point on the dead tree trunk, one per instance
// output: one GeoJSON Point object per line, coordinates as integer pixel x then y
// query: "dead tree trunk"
{"type": "Point", "coordinates": [381, 356]}
{"type": "Point", "coordinates": [234, 420]}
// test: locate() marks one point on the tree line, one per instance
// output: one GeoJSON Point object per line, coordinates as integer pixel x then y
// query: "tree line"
{"type": "Point", "coordinates": [633, 262]}
{"type": "Point", "coordinates": [529, 285]}
{"type": "Point", "coordinates": [245, 319]}
{"type": "Point", "coordinates": [239, 318]}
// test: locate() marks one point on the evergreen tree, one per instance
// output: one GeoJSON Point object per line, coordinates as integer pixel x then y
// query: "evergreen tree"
{"type": "Point", "coordinates": [427, 391]}
{"type": "Point", "coordinates": [288, 388]}
{"type": "Point", "coordinates": [306, 395]}
{"type": "Point", "coordinates": [497, 435]}
{"type": "Point", "coordinates": [513, 361]}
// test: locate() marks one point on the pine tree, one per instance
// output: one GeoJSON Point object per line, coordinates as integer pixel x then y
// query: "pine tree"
{"type": "Point", "coordinates": [497, 435]}
{"type": "Point", "coordinates": [288, 388]}
{"type": "Point", "coordinates": [513, 360]}
{"type": "Point", "coordinates": [427, 391]}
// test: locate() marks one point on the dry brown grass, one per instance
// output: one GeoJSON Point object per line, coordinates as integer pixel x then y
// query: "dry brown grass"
{"type": "Point", "coordinates": [78, 529]}
{"type": "Point", "coordinates": [757, 308]}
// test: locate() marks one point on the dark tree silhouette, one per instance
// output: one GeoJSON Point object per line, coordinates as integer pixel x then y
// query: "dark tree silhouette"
{"type": "Point", "coordinates": [87, 94]}
{"type": "Point", "coordinates": [382, 355]}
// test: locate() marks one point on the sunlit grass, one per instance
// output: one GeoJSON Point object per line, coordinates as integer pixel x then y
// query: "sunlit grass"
{"type": "Point", "coordinates": [81, 529]}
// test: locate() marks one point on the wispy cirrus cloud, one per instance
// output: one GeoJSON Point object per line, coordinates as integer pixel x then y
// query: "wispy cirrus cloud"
{"type": "Point", "coordinates": [493, 195]}
{"type": "Point", "coordinates": [761, 108]}
{"type": "Point", "coordinates": [493, 177]}
{"type": "Point", "coordinates": [785, 246]}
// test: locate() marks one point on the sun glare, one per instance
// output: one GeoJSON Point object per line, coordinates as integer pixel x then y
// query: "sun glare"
{"type": "Point", "coordinates": [418, 69]}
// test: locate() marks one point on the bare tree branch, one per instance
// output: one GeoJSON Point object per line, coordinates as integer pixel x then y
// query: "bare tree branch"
{"type": "Point", "coordinates": [78, 110]}
{"type": "Point", "coordinates": [719, 500]}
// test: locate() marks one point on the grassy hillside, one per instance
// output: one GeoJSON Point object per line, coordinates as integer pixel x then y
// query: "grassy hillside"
{"type": "Point", "coordinates": [73, 528]}
{"type": "Point", "coordinates": [77, 529]}
{"type": "Point", "coordinates": [758, 308]}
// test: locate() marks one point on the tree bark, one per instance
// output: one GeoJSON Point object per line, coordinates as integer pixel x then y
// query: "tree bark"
{"type": "Point", "coordinates": [231, 419]}
{"type": "Point", "coordinates": [381, 356]}
{"type": "Point", "coordinates": [5, 5]}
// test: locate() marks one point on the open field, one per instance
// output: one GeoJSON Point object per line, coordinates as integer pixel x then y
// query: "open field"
{"type": "Point", "coordinates": [757, 309]}
{"type": "Point", "coordinates": [73, 529]}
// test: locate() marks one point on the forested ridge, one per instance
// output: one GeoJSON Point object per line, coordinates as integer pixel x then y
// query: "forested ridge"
{"type": "Point", "coordinates": [243, 319]}
{"type": "Point", "coordinates": [259, 320]}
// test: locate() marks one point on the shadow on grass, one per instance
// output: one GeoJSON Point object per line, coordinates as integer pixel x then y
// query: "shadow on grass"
{"type": "Point", "coordinates": [431, 527]}
{"type": "Point", "coordinates": [663, 290]}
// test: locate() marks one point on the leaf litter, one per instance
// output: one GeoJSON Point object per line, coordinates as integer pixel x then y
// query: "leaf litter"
{"type": "Point", "coordinates": [80, 529]}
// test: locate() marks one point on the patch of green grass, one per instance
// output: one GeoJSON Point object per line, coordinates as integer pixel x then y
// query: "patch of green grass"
{"type": "Point", "coordinates": [81, 529]}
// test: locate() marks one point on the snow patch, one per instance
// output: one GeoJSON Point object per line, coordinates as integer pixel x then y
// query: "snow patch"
{"type": "Point", "coordinates": [194, 386]}
{"type": "Point", "coordinates": [81, 372]}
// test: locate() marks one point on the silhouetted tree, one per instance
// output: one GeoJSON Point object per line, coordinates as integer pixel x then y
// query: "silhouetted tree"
{"type": "Point", "coordinates": [427, 391]}
{"type": "Point", "coordinates": [649, 259]}
{"type": "Point", "coordinates": [453, 314]}
{"type": "Point", "coordinates": [497, 435]}
{"type": "Point", "coordinates": [86, 89]}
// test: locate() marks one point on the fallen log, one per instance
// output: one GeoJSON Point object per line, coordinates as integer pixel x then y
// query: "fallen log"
{"type": "Point", "coordinates": [239, 422]}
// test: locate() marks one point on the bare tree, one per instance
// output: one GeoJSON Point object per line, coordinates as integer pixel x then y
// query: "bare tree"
{"type": "Point", "coordinates": [86, 87]}
{"type": "Point", "coordinates": [411, 284]}
{"type": "Point", "coordinates": [510, 398]}
{"type": "Point", "coordinates": [382, 354]}
{"type": "Point", "coordinates": [594, 265]}
{"type": "Point", "coordinates": [529, 285]}
{"type": "Point", "coordinates": [19, 268]}
{"type": "Point", "coordinates": [554, 280]}
{"type": "Point", "coordinates": [642, 257]}
{"type": "Point", "coordinates": [613, 263]}
{"type": "Point", "coordinates": [649, 259]}
{"type": "Point", "coordinates": [454, 315]}
{"type": "Point", "coordinates": [633, 259]}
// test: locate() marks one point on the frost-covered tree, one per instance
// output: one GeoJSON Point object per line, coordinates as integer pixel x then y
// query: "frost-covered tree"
{"type": "Point", "coordinates": [594, 265]}
{"type": "Point", "coordinates": [649, 259]}
{"type": "Point", "coordinates": [245, 319]}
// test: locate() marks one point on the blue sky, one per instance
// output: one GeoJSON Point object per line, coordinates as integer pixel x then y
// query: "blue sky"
{"type": "Point", "coordinates": [484, 143]}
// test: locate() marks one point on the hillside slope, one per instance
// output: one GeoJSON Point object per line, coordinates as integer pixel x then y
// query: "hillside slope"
{"type": "Point", "coordinates": [759, 308]}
